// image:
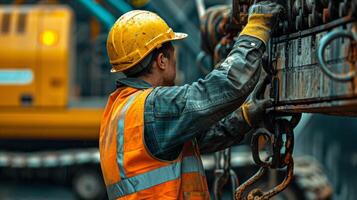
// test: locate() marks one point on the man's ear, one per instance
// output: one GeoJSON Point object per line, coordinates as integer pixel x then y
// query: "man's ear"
{"type": "Point", "coordinates": [161, 61]}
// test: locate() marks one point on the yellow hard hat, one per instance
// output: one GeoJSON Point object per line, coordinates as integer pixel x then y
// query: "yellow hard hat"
{"type": "Point", "coordinates": [134, 35]}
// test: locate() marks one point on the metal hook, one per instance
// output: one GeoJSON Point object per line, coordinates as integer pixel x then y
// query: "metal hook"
{"type": "Point", "coordinates": [326, 40]}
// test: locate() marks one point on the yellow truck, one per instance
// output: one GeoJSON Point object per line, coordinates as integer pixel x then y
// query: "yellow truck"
{"type": "Point", "coordinates": [44, 126]}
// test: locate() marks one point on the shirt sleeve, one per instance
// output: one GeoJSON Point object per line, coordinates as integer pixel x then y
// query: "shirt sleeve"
{"type": "Point", "coordinates": [174, 115]}
{"type": "Point", "coordinates": [225, 133]}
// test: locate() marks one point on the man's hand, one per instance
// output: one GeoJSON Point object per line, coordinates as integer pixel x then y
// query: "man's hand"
{"type": "Point", "coordinates": [263, 16]}
{"type": "Point", "coordinates": [254, 109]}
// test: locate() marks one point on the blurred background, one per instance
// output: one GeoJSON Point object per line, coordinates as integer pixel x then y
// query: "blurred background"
{"type": "Point", "coordinates": [54, 82]}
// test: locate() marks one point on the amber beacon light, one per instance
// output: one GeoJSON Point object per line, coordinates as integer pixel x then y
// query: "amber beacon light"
{"type": "Point", "coordinates": [49, 38]}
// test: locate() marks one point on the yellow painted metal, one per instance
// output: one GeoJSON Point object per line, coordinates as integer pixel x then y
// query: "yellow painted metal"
{"type": "Point", "coordinates": [56, 124]}
{"type": "Point", "coordinates": [37, 40]}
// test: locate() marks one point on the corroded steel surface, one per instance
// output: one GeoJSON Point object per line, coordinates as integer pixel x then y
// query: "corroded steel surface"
{"type": "Point", "coordinates": [301, 84]}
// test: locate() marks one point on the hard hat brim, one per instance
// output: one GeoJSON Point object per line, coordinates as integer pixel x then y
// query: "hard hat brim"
{"type": "Point", "coordinates": [180, 36]}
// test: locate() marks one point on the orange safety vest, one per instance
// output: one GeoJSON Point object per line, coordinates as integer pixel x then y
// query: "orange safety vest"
{"type": "Point", "coordinates": [129, 170]}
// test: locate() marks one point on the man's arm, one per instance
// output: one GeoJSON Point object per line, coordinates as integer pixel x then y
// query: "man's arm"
{"type": "Point", "coordinates": [225, 133]}
{"type": "Point", "coordinates": [174, 115]}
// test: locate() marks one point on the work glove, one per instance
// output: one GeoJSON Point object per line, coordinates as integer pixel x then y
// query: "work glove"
{"type": "Point", "coordinates": [254, 111]}
{"type": "Point", "coordinates": [254, 108]}
{"type": "Point", "coordinates": [263, 17]}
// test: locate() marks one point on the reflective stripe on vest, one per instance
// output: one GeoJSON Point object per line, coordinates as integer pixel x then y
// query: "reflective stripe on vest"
{"type": "Point", "coordinates": [155, 177]}
{"type": "Point", "coordinates": [120, 135]}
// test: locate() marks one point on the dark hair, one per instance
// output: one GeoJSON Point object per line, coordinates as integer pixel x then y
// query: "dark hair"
{"type": "Point", "coordinates": [164, 49]}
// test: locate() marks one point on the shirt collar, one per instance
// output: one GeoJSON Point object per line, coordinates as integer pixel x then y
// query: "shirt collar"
{"type": "Point", "coordinates": [133, 82]}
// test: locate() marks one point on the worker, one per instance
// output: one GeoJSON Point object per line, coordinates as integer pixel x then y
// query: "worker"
{"type": "Point", "coordinates": [152, 132]}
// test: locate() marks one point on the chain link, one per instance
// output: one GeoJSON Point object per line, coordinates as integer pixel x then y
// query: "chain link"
{"type": "Point", "coordinates": [224, 173]}
{"type": "Point", "coordinates": [280, 158]}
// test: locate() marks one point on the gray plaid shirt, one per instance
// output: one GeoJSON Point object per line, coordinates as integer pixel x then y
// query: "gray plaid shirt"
{"type": "Point", "coordinates": [203, 110]}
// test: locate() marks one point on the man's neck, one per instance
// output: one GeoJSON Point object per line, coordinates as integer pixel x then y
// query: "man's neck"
{"type": "Point", "coordinates": [152, 80]}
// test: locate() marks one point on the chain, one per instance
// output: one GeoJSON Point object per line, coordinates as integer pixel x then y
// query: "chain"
{"type": "Point", "coordinates": [223, 173]}
{"type": "Point", "coordinates": [237, 20]}
{"type": "Point", "coordinates": [280, 158]}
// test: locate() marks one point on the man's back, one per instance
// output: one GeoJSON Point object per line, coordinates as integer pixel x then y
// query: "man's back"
{"type": "Point", "coordinates": [124, 153]}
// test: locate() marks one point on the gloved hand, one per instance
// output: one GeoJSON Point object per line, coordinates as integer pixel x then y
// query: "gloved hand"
{"type": "Point", "coordinates": [263, 16]}
{"type": "Point", "coordinates": [254, 109]}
